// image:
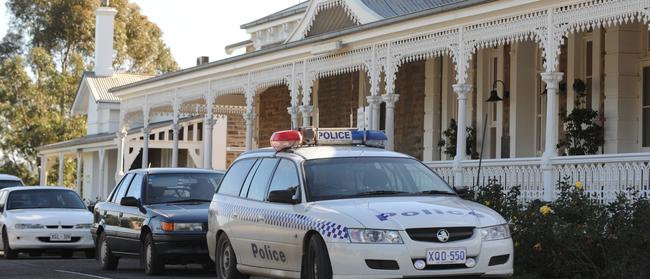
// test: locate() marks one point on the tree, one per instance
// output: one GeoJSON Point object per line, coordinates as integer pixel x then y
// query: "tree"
{"type": "Point", "coordinates": [49, 45]}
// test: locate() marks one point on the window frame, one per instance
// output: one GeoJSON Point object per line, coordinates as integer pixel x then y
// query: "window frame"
{"type": "Point", "coordinates": [245, 178]}
{"type": "Point", "coordinates": [268, 181]}
{"type": "Point", "coordinates": [139, 197]}
{"type": "Point", "coordinates": [645, 65]}
{"type": "Point", "coordinates": [117, 188]}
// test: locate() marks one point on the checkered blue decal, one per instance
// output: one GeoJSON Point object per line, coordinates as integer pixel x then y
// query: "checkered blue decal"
{"type": "Point", "coordinates": [286, 220]}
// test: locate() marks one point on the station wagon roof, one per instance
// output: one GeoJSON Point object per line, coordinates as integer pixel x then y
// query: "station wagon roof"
{"type": "Point", "coordinates": [174, 170]}
{"type": "Point", "coordinates": [323, 152]}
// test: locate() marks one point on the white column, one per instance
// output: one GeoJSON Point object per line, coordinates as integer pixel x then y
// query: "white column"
{"type": "Point", "coordinates": [79, 170]}
{"type": "Point", "coordinates": [102, 180]}
{"type": "Point", "coordinates": [249, 117]}
{"type": "Point", "coordinates": [462, 90]}
{"type": "Point", "coordinates": [390, 100]}
{"type": "Point", "coordinates": [121, 138]}
{"type": "Point", "coordinates": [145, 146]}
{"type": "Point", "coordinates": [307, 109]}
{"type": "Point", "coordinates": [375, 105]}
{"type": "Point", "coordinates": [552, 80]}
{"type": "Point", "coordinates": [208, 124]}
{"type": "Point", "coordinates": [293, 111]}
{"type": "Point", "coordinates": [61, 165]}
{"type": "Point", "coordinates": [44, 169]}
{"type": "Point", "coordinates": [176, 130]}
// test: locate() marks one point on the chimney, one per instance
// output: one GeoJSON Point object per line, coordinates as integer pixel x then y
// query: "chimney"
{"type": "Point", "coordinates": [104, 27]}
{"type": "Point", "coordinates": [202, 60]}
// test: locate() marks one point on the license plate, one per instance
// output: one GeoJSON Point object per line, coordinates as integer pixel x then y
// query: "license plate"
{"type": "Point", "coordinates": [60, 237]}
{"type": "Point", "coordinates": [446, 256]}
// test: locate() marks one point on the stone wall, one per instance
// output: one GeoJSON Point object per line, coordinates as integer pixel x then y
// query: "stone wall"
{"type": "Point", "coordinates": [337, 95]}
{"type": "Point", "coordinates": [272, 113]}
{"type": "Point", "coordinates": [409, 110]}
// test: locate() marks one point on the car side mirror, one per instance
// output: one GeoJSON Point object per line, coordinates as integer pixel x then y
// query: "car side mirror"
{"type": "Point", "coordinates": [461, 190]}
{"type": "Point", "coordinates": [284, 196]}
{"type": "Point", "coordinates": [130, 201]}
{"type": "Point", "coordinates": [91, 208]}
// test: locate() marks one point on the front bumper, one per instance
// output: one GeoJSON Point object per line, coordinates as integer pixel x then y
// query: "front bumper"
{"type": "Point", "coordinates": [39, 239]}
{"type": "Point", "coordinates": [349, 260]}
{"type": "Point", "coordinates": [182, 248]}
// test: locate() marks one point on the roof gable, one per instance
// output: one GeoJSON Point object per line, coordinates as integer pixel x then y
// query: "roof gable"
{"type": "Point", "coordinates": [98, 88]}
{"type": "Point", "coordinates": [356, 11]}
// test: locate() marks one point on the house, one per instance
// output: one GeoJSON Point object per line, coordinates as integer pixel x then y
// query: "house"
{"type": "Point", "coordinates": [411, 67]}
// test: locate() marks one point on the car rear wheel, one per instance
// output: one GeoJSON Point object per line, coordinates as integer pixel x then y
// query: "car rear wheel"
{"type": "Point", "coordinates": [106, 257]}
{"type": "Point", "coordinates": [318, 260]}
{"type": "Point", "coordinates": [153, 263]}
{"type": "Point", "coordinates": [9, 254]}
{"type": "Point", "coordinates": [226, 261]}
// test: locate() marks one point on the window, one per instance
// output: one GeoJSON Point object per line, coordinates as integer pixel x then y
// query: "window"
{"type": "Point", "coordinates": [340, 178]}
{"type": "Point", "coordinates": [234, 179]}
{"type": "Point", "coordinates": [121, 188]}
{"type": "Point", "coordinates": [285, 177]}
{"type": "Point", "coordinates": [260, 181]}
{"type": "Point", "coordinates": [646, 108]}
{"type": "Point", "coordinates": [135, 190]}
{"type": "Point", "coordinates": [180, 187]}
{"type": "Point", "coordinates": [2, 200]}
{"type": "Point", "coordinates": [247, 183]}
{"type": "Point", "coordinates": [44, 198]}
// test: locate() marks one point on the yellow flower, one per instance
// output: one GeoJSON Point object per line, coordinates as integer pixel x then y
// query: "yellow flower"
{"type": "Point", "coordinates": [579, 184]}
{"type": "Point", "coordinates": [487, 203]}
{"type": "Point", "coordinates": [545, 210]}
{"type": "Point", "coordinates": [537, 247]}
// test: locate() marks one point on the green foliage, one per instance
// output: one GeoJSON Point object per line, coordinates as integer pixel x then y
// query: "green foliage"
{"type": "Point", "coordinates": [49, 45]}
{"type": "Point", "coordinates": [574, 236]}
{"type": "Point", "coordinates": [448, 142]}
{"type": "Point", "coordinates": [584, 134]}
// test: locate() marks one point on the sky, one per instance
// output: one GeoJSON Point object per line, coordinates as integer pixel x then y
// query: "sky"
{"type": "Point", "coordinates": [193, 28]}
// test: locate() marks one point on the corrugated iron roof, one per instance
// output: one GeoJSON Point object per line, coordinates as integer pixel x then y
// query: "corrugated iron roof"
{"type": "Point", "coordinates": [392, 8]}
{"type": "Point", "coordinates": [100, 86]}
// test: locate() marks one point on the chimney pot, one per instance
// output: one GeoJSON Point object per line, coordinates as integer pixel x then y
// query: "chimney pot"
{"type": "Point", "coordinates": [202, 60]}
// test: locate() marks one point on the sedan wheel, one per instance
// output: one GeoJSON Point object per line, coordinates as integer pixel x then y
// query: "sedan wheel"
{"type": "Point", "coordinates": [106, 258]}
{"type": "Point", "coordinates": [153, 263]}
{"type": "Point", "coordinates": [9, 254]}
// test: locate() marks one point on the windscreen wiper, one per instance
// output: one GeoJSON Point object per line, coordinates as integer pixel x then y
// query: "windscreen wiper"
{"type": "Point", "coordinates": [436, 192]}
{"type": "Point", "coordinates": [379, 193]}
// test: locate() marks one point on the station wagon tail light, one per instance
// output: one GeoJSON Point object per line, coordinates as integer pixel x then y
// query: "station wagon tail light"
{"type": "Point", "coordinates": [285, 139]}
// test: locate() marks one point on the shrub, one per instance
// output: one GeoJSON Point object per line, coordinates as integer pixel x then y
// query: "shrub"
{"type": "Point", "coordinates": [574, 236]}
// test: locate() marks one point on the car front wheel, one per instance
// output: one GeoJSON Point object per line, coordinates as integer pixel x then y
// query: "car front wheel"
{"type": "Point", "coordinates": [106, 257]}
{"type": "Point", "coordinates": [226, 261]}
{"type": "Point", "coordinates": [318, 260]}
{"type": "Point", "coordinates": [9, 254]}
{"type": "Point", "coordinates": [153, 263]}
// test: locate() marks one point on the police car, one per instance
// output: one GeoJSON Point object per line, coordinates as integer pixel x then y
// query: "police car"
{"type": "Point", "coordinates": [329, 204]}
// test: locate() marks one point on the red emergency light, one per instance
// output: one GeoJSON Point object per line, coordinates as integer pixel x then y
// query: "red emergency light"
{"type": "Point", "coordinates": [285, 139]}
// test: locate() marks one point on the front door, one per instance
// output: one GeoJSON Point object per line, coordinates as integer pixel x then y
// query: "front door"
{"type": "Point", "coordinates": [131, 218]}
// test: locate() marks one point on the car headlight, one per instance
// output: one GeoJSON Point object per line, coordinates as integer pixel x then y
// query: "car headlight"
{"type": "Point", "coordinates": [28, 226]}
{"type": "Point", "coordinates": [181, 227]}
{"type": "Point", "coordinates": [83, 226]}
{"type": "Point", "coordinates": [497, 232]}
{"type": "Point", "coordinates": [374, 236]}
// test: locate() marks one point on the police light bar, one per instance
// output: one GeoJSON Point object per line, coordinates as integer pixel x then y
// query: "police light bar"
{"type": "Point", "coordinates": [286, 139]}
{"type": "Point", "coordinates": [350, 137]}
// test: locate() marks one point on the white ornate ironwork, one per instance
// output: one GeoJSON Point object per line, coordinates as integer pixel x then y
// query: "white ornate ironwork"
{"type": "Point", "coordinates": [328, 4]}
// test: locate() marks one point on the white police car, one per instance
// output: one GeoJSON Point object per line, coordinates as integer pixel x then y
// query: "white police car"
{"type": "Point", "coordinates": [306, 210]}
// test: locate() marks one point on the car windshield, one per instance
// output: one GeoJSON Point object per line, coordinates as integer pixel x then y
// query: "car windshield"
{"type": "Point", "coordinates": [44, 198]}
{"type": "Point", "coordinates": [181, 187]}
{"type": "Point", "coordinates": [339, 178]}
{"type": "Point", "coordinates": [9, 183]}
